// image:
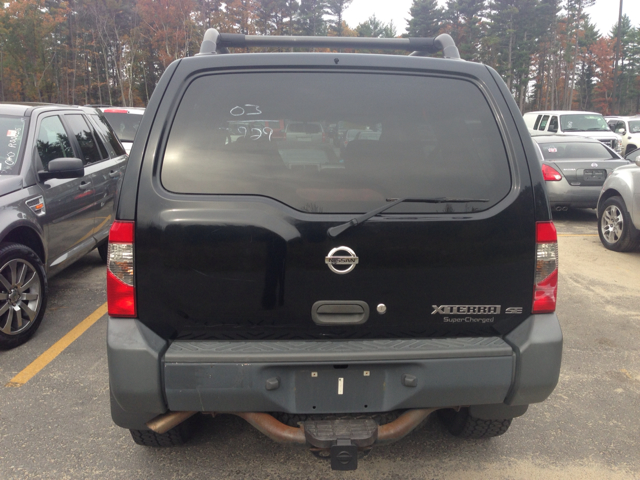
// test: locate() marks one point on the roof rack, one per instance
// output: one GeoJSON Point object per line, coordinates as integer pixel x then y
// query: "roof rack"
{"type": "Point", "coordinates": [216, 42]}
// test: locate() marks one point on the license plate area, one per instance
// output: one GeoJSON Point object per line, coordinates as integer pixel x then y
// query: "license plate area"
{"type": "Point", "coordinates": [594, 175]}
{"type": "Point", "coordinates": [340, 388]}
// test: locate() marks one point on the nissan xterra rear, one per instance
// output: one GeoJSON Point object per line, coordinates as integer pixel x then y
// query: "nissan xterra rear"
{"type": "Point", "coordinates": [331, 298]}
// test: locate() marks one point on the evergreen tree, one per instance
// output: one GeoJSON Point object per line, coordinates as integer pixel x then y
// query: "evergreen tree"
{"type": "Point", "coordinates": [311, 20]}
{"type": "Point", "coordinates": [372, 27]}
{"type": "Point", "coordinates": [463, 19]}
{"type": "Point", "coordinates": [336, 9]}
{"type": "Point", "coordinates": [426, 18]}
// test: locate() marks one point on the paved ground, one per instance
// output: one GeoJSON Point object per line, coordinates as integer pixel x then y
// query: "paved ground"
{"type": "Point", "coordinates": [57, 425]}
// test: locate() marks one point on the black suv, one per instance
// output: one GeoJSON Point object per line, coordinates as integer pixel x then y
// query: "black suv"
{"type": "Point", "coordinates": [330, 298]}
{"type": "Point", "coordinates": [59, 172]}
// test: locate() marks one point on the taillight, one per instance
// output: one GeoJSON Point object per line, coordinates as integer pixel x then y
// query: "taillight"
{"type": "Point", "coordinates": [324, 137]}
{"type": "Point", "coordinates": [545, 290]}
{"type": "Point", "coordinates": [115, 110]}
{"type": "Point", "coordinates": [550, 174]}
{"type": "Point", "coordinates": [121, 291]}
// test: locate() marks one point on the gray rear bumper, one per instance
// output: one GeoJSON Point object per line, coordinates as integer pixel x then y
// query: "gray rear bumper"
{"type": "Point", "coordinates": [562, 194]}
{"type": "Point", "coordinates": [148, 376]}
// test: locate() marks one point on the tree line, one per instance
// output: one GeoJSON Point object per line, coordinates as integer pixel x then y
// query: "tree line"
{"type": "Point", "coordinates": [113, 52]}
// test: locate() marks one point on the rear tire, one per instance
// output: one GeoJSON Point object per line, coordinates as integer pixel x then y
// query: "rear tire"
{"type": "Point", "coordinates": [103, 250]}
{"type": "Point", "coordinates": [615, 228]}
{"type": "Point", "coordinates": [178, 435]}
{"type": "Point", "coordinates": [23, 294]}
{"type": "Point", "coordinates": [463, 425]}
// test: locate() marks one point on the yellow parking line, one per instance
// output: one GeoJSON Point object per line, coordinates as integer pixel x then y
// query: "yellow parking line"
{"type": "Point", "coordinates": [56, 349]}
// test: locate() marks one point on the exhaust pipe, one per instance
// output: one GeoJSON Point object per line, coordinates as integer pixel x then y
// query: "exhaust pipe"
{"type": "Point", "coordinates": [281, 433]}
{"type": "Point", "coordinates": [165, 422]}
{"type": "Point", "coordinates": [560, 208]}
{"type": "Point", "coordinates": [388, 433]}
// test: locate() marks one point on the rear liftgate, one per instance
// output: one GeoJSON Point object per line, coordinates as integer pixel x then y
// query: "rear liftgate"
{"type": "Point", "coordinates": [341, 440]}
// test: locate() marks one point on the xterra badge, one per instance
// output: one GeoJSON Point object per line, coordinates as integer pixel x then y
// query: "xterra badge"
{"type": "Point", "coordinates": [468, 309]}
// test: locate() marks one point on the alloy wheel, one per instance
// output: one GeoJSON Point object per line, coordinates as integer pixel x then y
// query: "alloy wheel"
{"type": "Point", "coordinates": [612, 224]}
{"type": "Point", "coordinates": [20, 296]}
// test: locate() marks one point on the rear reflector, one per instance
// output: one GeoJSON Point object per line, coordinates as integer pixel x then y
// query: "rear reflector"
{"type": "Point", "coordinates": [545, 289]}
{"type": "Point", "coordinates": [121, 291]}
{"type": "Point", "coordinates": [550, 174]}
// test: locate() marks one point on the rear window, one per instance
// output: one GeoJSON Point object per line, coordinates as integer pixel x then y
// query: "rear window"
{"type": "Point", "coordinates": [576, 151]}
{"type": "Point", "coordinates": [12, 131]}
{"type": "Point", "coordinates": [430, 137]}
{"type": "Point", "coordinates": [125, 125]}
{"type": "Point", "coordinates": [583, 122]}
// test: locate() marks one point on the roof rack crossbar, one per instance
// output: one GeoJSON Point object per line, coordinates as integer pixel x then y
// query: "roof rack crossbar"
{"type": "Point", "coordinates": [215, 42]}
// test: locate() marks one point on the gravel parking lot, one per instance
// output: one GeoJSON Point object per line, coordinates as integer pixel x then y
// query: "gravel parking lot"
{"type": "Point", "coordinates": [57, 424]}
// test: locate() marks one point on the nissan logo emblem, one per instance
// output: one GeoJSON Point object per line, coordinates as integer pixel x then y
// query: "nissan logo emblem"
{"type": "Point", "coordinates": [333, 260]}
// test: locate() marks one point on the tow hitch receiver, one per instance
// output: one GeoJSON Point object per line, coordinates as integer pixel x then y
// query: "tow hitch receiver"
{"type": "Point", "coordinates": [343, 438]}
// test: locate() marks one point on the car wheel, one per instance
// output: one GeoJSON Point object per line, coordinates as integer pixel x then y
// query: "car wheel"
{"type": "Point", "coordinates": [103, 250]}
{"type": "Point", "coordinates": [616, 231]}
{"type": "Point", "coordinates": [23, 294]}
{"type": "Point", "coordinates": [463, 425]}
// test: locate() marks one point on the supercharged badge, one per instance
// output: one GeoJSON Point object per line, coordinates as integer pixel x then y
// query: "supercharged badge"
{"type": "Point", "coordinates": [468, 309]}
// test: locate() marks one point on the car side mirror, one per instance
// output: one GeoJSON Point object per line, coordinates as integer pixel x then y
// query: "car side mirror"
{"type": "Point", "coordinates": [637, 162]}
{"type": "Point", "coordinates": [621, 131]}
{"type": "Point", "coordinates": [63, 168]}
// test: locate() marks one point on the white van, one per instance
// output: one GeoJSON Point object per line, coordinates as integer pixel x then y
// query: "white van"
{"type": "Point", "coordinates": [586, 124]}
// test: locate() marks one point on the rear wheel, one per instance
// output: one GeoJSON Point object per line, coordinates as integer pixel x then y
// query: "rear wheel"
{"type": "Point", "coordinates": [23, 294]}
{"type": "Point", "coordinates": [615, 228]}
{"type": "Point", "coordinates": [103, 250]}
{"type": "Point", "coordinates": [462, 424]}
{"type": "Point", "coordinates": [178, 435]}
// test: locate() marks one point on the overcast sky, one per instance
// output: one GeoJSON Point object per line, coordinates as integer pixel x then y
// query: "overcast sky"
{"type": "Point", "coordinates": [604, 13]}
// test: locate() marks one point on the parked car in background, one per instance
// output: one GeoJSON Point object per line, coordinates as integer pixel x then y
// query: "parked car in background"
{"type": "Point", "coordinates": [60, 168]}
{"type": "Point", "coordinates": [619, 207]}
{"type": "Point", "coordinates": [574, 169]}
{"type": "Point", "coordinates": [311, 132]}
{"type": "Point", "coordinates": [125, 122]}
{"type": "Point", "coordinates": [584, 124]}
{"type": "Point", "coordinates": [629, 130]}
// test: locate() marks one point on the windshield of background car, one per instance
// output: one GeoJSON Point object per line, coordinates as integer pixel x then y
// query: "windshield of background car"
{"type": "Point", "coordinates": [576, 151]}
{"type": "Point", "coordinates": [634, 126]}
{"type": "Point", "coordinates": [125, 125]}
{"type": "Point", "coordinates": [11, 133]}
{"type": "Point", "coordinates": [583, 122]}
{"type": "Point", "coordinates": [436, 137]}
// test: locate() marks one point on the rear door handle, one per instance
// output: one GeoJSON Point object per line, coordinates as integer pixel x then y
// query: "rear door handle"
{"type": "Point", "coordinates": [114, 174]}
{"type": "Point", "coordinates": [84, 185]}
{"type": "Point", "coordinates": [340, 312]}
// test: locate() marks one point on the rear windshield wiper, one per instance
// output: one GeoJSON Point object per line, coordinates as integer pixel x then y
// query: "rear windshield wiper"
{"type": "Point", "coordinates": [337, 230]}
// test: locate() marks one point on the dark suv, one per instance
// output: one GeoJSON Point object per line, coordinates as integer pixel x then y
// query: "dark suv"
{"type": "Point", "coordinates": [331, 300]}
{"type": "Point", "coordinates": [59, 172]}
